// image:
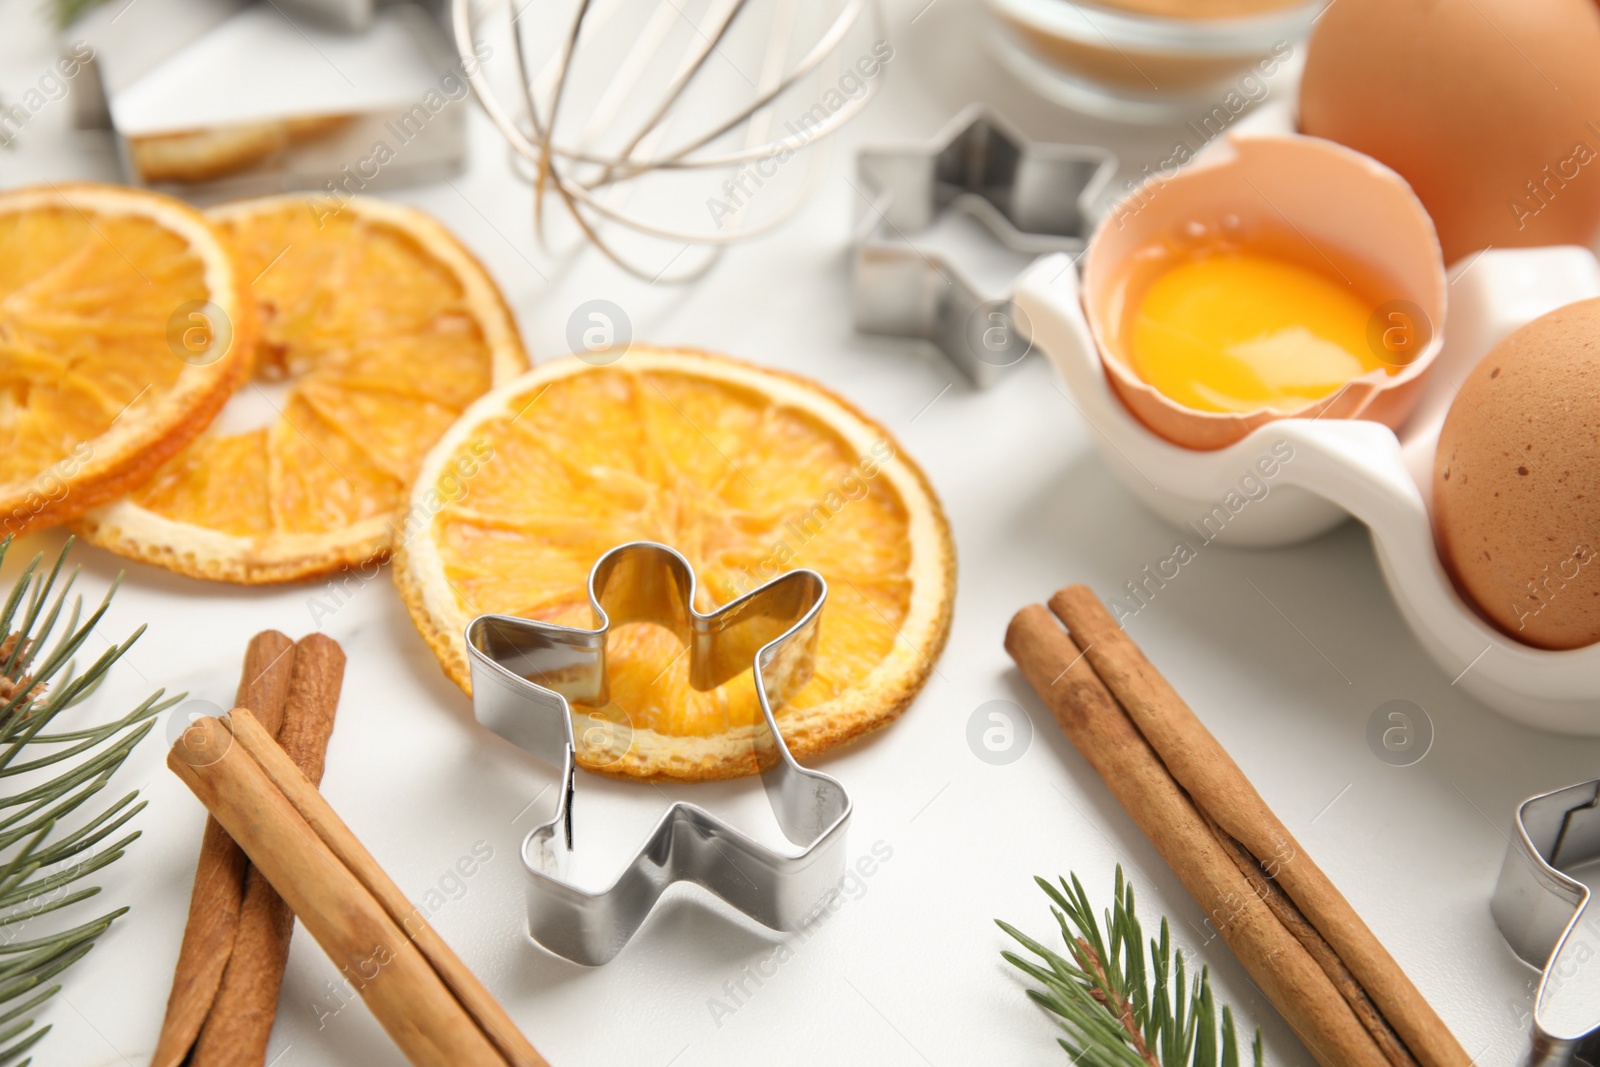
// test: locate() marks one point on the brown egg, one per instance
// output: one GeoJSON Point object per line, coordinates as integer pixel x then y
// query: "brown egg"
{"type": "Point", "coordinates": [1516, 481]}
{"type": "Point", "coordinates": [1489, 108]}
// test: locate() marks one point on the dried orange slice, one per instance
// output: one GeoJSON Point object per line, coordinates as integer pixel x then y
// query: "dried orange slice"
{"type": "Point", "coordinates": [377, 330]}
{"type": "Point", "coordinates": [748, 473]}
{"type": "Point", "coordinates": [124, 326]}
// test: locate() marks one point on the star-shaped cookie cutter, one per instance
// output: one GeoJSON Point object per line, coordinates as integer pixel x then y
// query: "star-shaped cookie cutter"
{"type": "Point", "coordinates": [1032, 198]}
{"type": "Point", "coordinates": [524, 673]}
{"type": "Point", "coordinates": [1551, 921]}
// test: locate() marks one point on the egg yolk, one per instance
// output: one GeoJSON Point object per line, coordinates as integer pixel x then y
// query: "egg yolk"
{"type": "Point", "coordinates": [1234, 330]}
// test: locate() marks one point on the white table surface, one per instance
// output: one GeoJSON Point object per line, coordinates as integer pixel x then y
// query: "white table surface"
{"type": "Point", "coordinates": [907, 971]}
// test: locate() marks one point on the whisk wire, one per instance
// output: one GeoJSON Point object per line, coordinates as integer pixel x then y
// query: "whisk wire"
{"type": "Point", "coordinates": [560, 167]}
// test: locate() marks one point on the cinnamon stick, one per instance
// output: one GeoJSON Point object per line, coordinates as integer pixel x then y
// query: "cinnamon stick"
{"type": "Point", "coordinates": [1204, 769]}
{"type": "Point", "coordinates": [217, 901]}
{"type": "Point", "coordinates": [320, 816]}
{"type": "Point", "coordinates": [1100, 730]}
{"type": "Point", "coordinates": [406, 995]}
{"type": "Point", "coordinates": [1284, 909]}
{"type": "Point", "coordinates": [239, 1026]}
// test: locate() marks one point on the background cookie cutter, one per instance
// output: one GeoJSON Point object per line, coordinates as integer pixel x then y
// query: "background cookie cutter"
{"type": "Point", "coordinates": [949, 224]}
{"type": "Point", "coordinates": [194, 94]}
{"type": "Point", "coordinates": [1551, 922]}
{"type": "Point", "coordinates": [523, 675]}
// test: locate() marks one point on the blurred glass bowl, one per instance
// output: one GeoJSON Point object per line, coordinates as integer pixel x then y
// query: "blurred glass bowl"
{"type": "Point", "coordinates": [1137, 61]}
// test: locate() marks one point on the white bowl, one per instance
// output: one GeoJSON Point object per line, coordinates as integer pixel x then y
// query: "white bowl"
{"type": "Point", "coordinates": [1102, 61]}
{"type": "Point", "coordinates": [1344, 468]}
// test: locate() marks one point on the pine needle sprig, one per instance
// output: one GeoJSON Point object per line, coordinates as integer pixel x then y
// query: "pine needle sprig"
{"type": "Point", "coordinates": [56, 773]}
{"type": "Point", "coordinates": [68, 11]}
{"type": "Point", "coordinates": [1121, 1005]}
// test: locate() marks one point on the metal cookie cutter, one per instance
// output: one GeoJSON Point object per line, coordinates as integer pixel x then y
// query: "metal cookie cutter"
{"type": "Point", "coordinates": [1550, 921]}
{"type": "Point", "coordinates": [525, 672]}
{"type": "Point", "coordinates": [950, 224]}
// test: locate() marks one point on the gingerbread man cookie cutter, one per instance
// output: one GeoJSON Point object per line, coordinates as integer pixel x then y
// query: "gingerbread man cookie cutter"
{"type": "Point", "coordinates": [525, 673]}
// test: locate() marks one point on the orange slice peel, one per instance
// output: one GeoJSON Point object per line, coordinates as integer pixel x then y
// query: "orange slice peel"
{"type": "Point", "coordinates": [124, 327]}
{"type": "Point", "coordinates": [378, 329]}
{"type": "Point", "coordinates": [749, 473]}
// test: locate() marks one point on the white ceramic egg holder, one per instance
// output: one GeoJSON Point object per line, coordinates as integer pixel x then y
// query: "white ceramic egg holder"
{"type": "Point", "coordinates": [1343, 468]}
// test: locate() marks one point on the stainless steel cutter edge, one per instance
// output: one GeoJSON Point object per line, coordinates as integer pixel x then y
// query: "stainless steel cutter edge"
{"type": "Point", "coordinates": [900, 290]}
{"type": "Point", "coordinates": [688, 844]}
{"type": "Point", "coordinates": [1551, 922]}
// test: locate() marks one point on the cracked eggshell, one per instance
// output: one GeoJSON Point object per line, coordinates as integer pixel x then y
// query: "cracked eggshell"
{"type": "Point", "coordinates": [1346, 206]}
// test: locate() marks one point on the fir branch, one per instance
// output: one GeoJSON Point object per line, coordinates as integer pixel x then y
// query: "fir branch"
{"type": "Point", "coordinates": [1122, 1006]}
{"type": "Point", "coordinates": [66, 13]}
{"type": "Point", "coordinates": [41, 860]}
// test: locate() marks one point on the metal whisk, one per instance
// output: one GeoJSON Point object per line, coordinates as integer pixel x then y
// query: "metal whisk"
{"type": "Point", "coordinates": [625, 134]}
